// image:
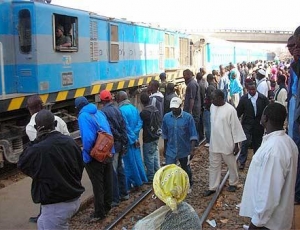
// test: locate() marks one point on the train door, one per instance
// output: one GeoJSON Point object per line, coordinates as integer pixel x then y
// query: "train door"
{"type": "Point", "coordinates": [25, 55]}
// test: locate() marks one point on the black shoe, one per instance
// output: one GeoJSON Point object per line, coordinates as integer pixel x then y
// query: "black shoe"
{"type": "Point", "coordinates": [34, 219]}
{"type": "Point", "coordinates": [209, 192]}
{"type": "Point", "coordinates": [231, 188]}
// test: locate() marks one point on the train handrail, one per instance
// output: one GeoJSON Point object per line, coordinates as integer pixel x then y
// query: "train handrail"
{"type": "Point", "coordinates": [2, 69]}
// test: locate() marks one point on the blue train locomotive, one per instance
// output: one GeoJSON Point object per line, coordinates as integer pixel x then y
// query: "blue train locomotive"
{"type": "Point", "coordinates": [104, 53]}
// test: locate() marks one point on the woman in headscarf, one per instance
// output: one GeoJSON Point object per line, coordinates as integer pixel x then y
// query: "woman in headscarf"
{"type": "Point", "coordinates": [171, 185]}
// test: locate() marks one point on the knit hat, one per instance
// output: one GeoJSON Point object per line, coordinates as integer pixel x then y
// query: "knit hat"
{"type": "Point", "coordinates": [105, 95]}
{"type": "Point", "coordinates": [162, 75]}
{"type": "Point", "coordinates": [80, 102]}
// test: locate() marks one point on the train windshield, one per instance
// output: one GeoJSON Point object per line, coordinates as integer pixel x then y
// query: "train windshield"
{"type": "Point", "coordinates": [25, 31]}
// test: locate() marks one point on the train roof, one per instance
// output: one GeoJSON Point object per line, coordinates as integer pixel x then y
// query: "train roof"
{"type": "Point", "coordinates": [98, 16]}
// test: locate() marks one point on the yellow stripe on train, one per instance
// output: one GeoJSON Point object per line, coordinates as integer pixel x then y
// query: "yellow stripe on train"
{"type": "Point", "coordinates": [61, 96]}
{"type": "Point", "coordinates": [95, 89]}
{"type": "Point", "coordinates": [121, 85]}
{"type": "Point", "coordinates": [131, 83]}
{"type": "Point", "coordinates": [141, 80]}
{"type": "Point", "coordinates": [79, 92]}
{"type": "Point", "coordinates": [15, 103]}
{"type": "Point", "coordinates": [44, 97]}
{"type": "Point", "coordinates": [149, 79]}
{"type": "Point", "coordinates": [109, 86]}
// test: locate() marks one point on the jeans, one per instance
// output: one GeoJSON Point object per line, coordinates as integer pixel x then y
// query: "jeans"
{"type": "Point", "coordinates": [119, 179]}
{"type": "Point", "coordinates": [151, 158]}
{"type": "Point", "coordinates": [207, 126]}
{"type": "Point", "coordinates": [57, 216]}
{"type": "Point", "coordinates": [101, 176]}
{"type": "Point", "coordinates": [296, 138]}
{"type": "Point", "coordinates": [291, 118]}
{"type": "Point", "coordinates": [183, 163]}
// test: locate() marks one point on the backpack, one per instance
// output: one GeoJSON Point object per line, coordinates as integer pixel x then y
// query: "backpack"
{"type": "Point", "coordinates": [155, 121]}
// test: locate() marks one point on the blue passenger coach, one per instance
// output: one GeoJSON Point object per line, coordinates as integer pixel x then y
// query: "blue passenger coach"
{"type": "Point", "coordinates": [217, 52]}
{"type": "Point", "coordinates": [105, 53]}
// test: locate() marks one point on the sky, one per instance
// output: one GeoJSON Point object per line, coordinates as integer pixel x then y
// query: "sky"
{"type": "Point", "coordinates": [198, 14]}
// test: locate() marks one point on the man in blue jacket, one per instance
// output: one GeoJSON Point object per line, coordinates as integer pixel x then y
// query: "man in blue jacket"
{"type": "Point", "coordinates": [90, 120]}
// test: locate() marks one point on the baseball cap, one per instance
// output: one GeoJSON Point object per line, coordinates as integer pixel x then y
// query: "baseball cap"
{"type": "Point", "coordinates": [105, 95]}
{"type": "Point", "coordinates": [175, 102]}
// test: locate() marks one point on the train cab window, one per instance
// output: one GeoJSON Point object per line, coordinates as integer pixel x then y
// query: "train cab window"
{"type": "Point", "coordinates": [65, 33]}
{"type": "Point", "coordinates": [25, 31]}
{"type": "Point", "coordinates": [114, 55]}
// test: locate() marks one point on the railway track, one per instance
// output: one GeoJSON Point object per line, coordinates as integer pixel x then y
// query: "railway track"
{"type": "Point", "coordinates": [220, 206]}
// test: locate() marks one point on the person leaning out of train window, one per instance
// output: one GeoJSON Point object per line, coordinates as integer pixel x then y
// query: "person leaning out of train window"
{"type": "Point", "coordinates": [61, 39]}
{"type": "Point", "coordinates": [171, 186]}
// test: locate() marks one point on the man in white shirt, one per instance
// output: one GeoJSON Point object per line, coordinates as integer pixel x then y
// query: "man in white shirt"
{"type": "Point", "coordinates": [268, 197]}
{"type": "Point", "coordinates": [262, 85]}
{"type": "Point", "coordinates": [226, 133]}
{"type": "Point", "coordinates": [34, 105]}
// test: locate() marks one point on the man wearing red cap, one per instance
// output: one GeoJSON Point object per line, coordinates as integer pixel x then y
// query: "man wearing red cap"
{"type": "Point", "coordinates": [118, 128]}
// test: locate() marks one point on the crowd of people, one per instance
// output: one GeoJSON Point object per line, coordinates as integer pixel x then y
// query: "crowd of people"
{"type": "Point", "coordinates": [233, 108]}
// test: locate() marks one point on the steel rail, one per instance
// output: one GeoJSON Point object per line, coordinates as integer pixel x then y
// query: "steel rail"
{"type": "Point", "coordinates": [128, 209]}
{"type": "Point", "coordinates": [134, 204]}
{"type": "Point", "coordinates": [216, 195]}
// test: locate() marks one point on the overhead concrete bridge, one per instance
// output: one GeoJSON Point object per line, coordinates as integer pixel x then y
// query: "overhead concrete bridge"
{"type": "Point", "coordinates": [248, 35]}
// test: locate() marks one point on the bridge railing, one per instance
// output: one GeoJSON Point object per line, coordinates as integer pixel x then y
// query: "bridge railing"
{"type": "Point", "coordinates": [237, 30]}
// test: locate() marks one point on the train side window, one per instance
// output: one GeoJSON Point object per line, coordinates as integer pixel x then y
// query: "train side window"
{"type": "Point", "coordinates": [167, 48]}
{"type": "Point", "coordinates": [65, 33]}
{"type": "Point", "coordinates": [114, 54]}
{"type": "Point", "coordinates": [172, 45]}
{"type": "Point", "coordinates": [184, 50]}
{"type": "Point", "coordinates": [25, 31]}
